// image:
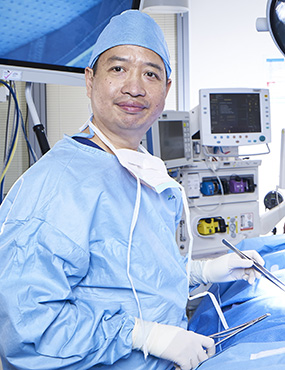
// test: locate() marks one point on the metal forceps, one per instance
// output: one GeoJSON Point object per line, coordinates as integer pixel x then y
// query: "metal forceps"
{"type": "Point", "coordinates": [257, 266]}
{"type": "Point", "coordinates": [228, 333]}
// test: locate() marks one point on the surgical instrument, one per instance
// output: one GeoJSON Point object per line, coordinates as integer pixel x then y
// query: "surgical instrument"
{"type": "Point", "coordinates": [228, 333]}
{"type": "Point", "coordinates": [257, 266]}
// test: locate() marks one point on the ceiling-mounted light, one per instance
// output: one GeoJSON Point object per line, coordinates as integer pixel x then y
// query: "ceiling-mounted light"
{"type": "Point", "coordinates": [274, 22]}
{"type": "Point", "coordinates": [164, 6]}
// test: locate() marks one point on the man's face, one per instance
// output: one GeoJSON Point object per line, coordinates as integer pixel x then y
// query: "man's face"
{"type": "Point", "coordinates": [127, 93]}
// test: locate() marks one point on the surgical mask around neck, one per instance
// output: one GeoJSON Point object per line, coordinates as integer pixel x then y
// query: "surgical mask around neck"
{"type": "Point", "coordinates": [149, 169]}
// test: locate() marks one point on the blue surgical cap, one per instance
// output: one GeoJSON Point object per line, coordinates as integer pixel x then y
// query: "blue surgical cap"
{"type": "Point", "coordinates": [132, 27]}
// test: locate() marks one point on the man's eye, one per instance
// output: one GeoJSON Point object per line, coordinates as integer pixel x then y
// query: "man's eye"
{"type": "Point", "coordinates": [117, 69]}
{"type": "Point", "coordinates": [152, 75]}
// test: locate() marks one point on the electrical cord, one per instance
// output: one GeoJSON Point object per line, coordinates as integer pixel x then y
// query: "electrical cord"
{"type": "Point", "coordinates": [13, 142]}
{"type": "Point", "coordinates": [10, 151]}
{"type": "Point", "coordinates": [23, 125]}
{"type": "Point", "coordinates": [7, 127]}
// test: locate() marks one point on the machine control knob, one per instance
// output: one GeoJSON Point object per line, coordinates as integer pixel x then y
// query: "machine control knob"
{"type": "Point", "coordinates": [262, 138]}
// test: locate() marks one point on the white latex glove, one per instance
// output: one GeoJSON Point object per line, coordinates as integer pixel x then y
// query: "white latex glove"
{"type": "Point", "coordinates": [231, 267]}
{"type": "Point", "coordinates": [182, 347]}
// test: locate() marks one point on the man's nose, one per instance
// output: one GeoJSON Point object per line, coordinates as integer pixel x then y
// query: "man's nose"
{"type": "Point", "coordinates": [134, 85]}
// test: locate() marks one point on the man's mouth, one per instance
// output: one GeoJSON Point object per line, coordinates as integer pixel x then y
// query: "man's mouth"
{"type": "Point", "coordinates": [131, 107]}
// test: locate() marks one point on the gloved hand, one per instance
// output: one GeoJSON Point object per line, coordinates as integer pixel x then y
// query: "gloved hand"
{"type": "Point", "coordinates": [231, 267]}
{"type": "Point", "coordinates": [185, 348]}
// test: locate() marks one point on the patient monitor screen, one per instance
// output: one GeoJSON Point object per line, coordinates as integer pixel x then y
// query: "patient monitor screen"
{"type": "Point", "coordinates": [171, 139]}
{"type": "Point", "coordinates": [235, 113]}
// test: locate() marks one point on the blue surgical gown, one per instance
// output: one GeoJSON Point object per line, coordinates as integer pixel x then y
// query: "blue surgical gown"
{"type": "Point", "coordinates": [65, 299]}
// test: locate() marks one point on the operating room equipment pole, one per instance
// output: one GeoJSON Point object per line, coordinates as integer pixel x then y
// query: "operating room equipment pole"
{"type": "Point", "coordinates": [38, 126]}
{"type": "Point", "coordinates": [282, 161]}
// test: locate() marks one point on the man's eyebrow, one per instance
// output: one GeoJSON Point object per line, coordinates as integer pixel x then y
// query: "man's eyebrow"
{"type": "Point", "coordinates": [154, 65]}
{"type": "Point", "coordinates": [116, 58]}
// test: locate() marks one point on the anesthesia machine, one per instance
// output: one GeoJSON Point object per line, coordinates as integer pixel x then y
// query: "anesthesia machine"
{"type": "Point", "coordinates": [201, 150]}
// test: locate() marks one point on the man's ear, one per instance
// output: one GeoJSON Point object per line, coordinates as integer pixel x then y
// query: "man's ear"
{"type": "Point", "coordinates": [168, 85]}
{"type": "Point", "coordinates": [89, 81]}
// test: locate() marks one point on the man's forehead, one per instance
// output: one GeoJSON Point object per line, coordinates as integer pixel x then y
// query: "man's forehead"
{"type": "Point", "coordinates": [127, 53]}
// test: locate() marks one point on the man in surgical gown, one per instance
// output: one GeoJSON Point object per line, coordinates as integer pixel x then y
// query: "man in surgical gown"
{"type": "Point", "coordinates": [75, 293]}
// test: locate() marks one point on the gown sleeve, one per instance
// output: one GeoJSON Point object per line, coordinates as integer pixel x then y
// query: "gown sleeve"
{"type": "Point", "coordinates": [47, 322]}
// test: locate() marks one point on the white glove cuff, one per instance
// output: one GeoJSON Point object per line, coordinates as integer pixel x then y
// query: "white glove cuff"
{"type": "Point", "coordinates": [153, 337]}
{"type": "Point", "coordinates": [197, 273]}
{"type": "Point", "coordinates": [160, 338]}
{"type": "Point", "coordinates": [141, 332]}
{"type": "Point", "coordinates": [205, 273]}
